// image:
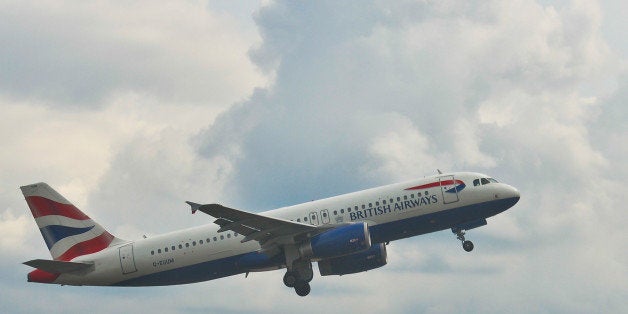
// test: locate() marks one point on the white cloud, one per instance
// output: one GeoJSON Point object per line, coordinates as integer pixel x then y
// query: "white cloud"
{"type": "Point", "coordinates": [400, 149]}
{"type": "Point", "coordinates": [78, 53]}
{"type": "Point", "coordinates": [362, 94]}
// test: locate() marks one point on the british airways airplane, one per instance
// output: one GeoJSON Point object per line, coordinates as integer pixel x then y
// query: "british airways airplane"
{"type": "Point", "coordinates": [344, 234]}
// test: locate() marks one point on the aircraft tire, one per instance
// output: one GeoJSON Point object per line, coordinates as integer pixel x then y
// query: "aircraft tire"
{"type": "Point", "coordinates": [308, 275]}
{"type": "Point", "coordinates": [467, 246]}
{"type": "Point", "coordinates": [303, 289]}
{"type": "Point", "coordinates": [289, 279]}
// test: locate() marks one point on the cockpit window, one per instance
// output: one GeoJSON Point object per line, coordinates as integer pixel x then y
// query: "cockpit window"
{"type": "Point", "coordinates": [476, 182]}
{"type": "Point", "coordinates": [485, 181]}
{"type": "Point", "coordinates": [493, 180]}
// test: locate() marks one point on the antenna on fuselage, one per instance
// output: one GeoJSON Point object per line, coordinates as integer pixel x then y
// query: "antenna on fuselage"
{"type": "Point", "coordinates": [439, 172]}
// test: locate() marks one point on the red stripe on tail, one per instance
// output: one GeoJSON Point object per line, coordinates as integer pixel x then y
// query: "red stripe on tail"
{"type": "Point", "coordinates": [41, 206]}
{"type": "Point", "coordinates": [94, 245]}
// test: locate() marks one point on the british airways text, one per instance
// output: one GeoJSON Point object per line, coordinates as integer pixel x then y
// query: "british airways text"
{"type": "Point", "coordinates": [396, 207]}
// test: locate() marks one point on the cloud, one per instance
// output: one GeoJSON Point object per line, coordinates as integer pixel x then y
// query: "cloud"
{"type": "Point", "coordinates": [80, 53]}
{"type": "Point", "coordinates": [512, 89]}
{"type": "Point", "coordinates": [131, 109]}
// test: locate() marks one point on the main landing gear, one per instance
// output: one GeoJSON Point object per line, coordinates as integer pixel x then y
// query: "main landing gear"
{"type": "Point", "coordinates": [299, 277]}
{"type": "Point", "coordinates": [466, 244]}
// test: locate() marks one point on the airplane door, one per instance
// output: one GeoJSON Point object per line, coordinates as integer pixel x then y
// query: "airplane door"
{"type": "Point", "coordinates": [314, 218]}
{"type": "Point", "coordinates": [448, 189]}
{"type": "Point", "coordinates": [325, 216]}
{"type": "Point", "coordinates": [127, 261]}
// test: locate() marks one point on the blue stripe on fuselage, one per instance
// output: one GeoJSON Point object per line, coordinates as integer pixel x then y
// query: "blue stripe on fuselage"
{"type": "Point", "coordinates": [209, 270]}
{"type": "Point", "coordinates": [437, 221]}
{"type": "Point", "coordinates": [379, 233]}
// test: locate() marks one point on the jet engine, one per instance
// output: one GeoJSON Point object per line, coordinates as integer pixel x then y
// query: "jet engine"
{"type": "Point", "coordinates": [370, 259]}
{"type": "Point", "coordinates": [337, 242]}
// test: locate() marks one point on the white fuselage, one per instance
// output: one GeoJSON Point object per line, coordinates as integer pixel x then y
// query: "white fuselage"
{"type": "Point", "coordinates": [391, 212]}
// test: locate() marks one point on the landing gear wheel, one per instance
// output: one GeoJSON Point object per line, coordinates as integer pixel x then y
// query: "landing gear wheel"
{"type": "Point", "coordinates": [302, 289]}
{"type": "Point", "coordinates": [290, 279]}
{"type": "Point", "coordinates": [467, 246]}
{"type": "Point", "coordinates": [307, 275]}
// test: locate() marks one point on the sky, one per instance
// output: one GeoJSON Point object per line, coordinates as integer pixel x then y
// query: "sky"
{"type": "Point", "coordinates": [129, 109]}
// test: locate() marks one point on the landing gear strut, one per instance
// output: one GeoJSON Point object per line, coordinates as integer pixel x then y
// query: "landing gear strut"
{"type": "Point", "coordinates": [299, 276]}
{"type": "Point", "coordinates": [466, 244]}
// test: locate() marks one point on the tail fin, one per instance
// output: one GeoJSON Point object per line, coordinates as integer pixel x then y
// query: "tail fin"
{"type": "Point", "coordinates": [67, 231]}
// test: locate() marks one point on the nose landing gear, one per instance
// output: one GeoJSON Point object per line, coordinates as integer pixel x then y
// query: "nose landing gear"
{"type": "Point", "coordinates": [466, 244]}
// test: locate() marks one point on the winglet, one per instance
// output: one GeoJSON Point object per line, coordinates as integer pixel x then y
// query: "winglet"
{"type": "Point", "coordinates": [194, 206]}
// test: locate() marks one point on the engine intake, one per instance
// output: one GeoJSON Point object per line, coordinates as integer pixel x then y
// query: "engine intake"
{"type": "Point", "coordinates": [337, 242]}
{"type": "Point", "coordinates": [372, 258]}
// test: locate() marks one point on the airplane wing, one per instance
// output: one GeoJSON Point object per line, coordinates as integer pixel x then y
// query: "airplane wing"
{"type": "Point", "coordinates": [257, 227]}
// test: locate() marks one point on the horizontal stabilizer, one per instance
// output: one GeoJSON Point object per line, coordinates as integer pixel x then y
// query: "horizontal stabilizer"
{"type": "Point", "coordinates": [58, 267]}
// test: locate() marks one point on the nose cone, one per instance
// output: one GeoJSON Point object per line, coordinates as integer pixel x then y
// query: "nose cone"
{"type": "Point", "coordinates": [514, 193]}
{"type": "Point", "coordinates": [511, 194]}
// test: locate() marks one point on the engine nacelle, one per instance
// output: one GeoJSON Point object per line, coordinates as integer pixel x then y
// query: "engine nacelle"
{"type": "Point", "coordinates": [370, 259]}
{"type": "Point", "coordinates": [337, 242]}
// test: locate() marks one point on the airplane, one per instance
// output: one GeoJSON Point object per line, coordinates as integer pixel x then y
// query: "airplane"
{"type": "Point", "coordinates": [344, 234]}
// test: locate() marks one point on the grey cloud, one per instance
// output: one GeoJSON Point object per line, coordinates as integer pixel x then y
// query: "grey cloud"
{"type": "Point", "coordinates": [499, 88]}
{"type": "Point", "coordinates": [84, 54]}
{"type": "Point", "coordinates": [366, 93]}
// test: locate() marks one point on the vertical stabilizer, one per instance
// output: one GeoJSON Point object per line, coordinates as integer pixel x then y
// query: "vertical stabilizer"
{"type": "Point", "coordinates": [67, 231]}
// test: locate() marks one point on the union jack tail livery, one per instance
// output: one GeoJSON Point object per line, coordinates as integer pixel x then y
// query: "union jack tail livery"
{"type": "Point", "coordinates": [67, 231]}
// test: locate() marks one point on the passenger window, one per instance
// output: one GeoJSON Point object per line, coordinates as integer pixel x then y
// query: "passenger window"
{"type": "Point", "coordinates": [215, 239]}
{"type": "Point", "coordinates": [391, 200]}
{"type": "Point", "coordinates": [412, 195]}
{"type": "Point", "coordinates": [324, 214]}
{"type": "Point", "coordinates": [207, 240]}
{"type": "Point", "coordinates": [335, 212]}
{"type": "Point", "coordinates": [235, 234]}
{"type": "Point", "coordinates": [383, 202]}
{"type": "Point", "coordinates": [298, 219]}
{"type": "Point", "coordinates": [363, 206]}
{"type": "Point", "coordinates": [180, 246]}
{"type": "Point", "coordinates": [485, 181]}
{"type": "Point", "coordinates": [173, 247]}
{"type": "Point", "coordinates": [165, 249]}
{"type": "Point", "coordinates": [405, 197]}
{"type": "Point", "coordinates": [222, 237]}
{"type": "Point", "coordinates": [159, 251]}
{"type": "Point", "coordinates": [193, 243]}
{"type": "Point", "coordinates": [228, 235]}
{"type": "Point", "coordinates": [342, 211]}
{"type": "Point", "coordinates": [200, 241]}
{"type": "Point", "coordinates": [304, 218]}
{"type": "Point", "coordinates": [187, 244]}
{"type": "Point", "coordinates": [152, 252]}
{"type": "Point", "coordinates": [398, 199]}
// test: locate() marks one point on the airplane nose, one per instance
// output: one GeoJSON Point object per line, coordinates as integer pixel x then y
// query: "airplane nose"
{"type": "Point", "coordinates": [513, 193]}
{"type": "Point", "coordinates": [507, 192]}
